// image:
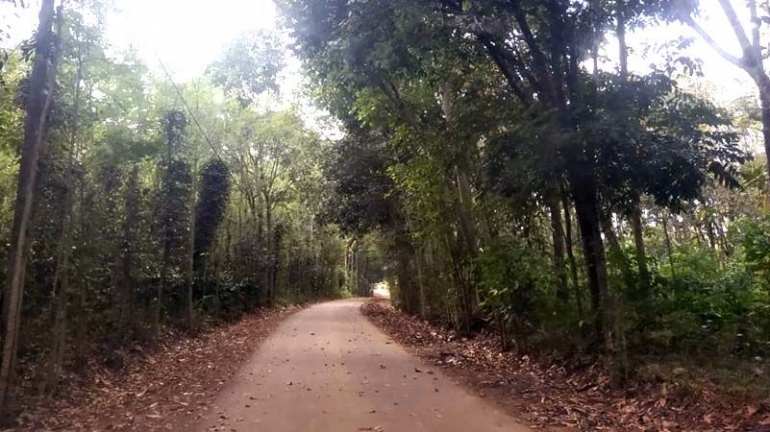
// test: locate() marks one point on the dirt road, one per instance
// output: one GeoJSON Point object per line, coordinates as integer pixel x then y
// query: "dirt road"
{"type": "Point", "coordinates": [327, 369]}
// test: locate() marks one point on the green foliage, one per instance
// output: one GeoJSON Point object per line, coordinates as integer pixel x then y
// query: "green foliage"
{"type": "Point", "coordinates": [711, 309]}
{"type": "Point", "coordinates": [514, 281]}
{"type": "Point", "coordinates": [117, 187]}
{"type": "Point", "coordinates": [521, 189]}
{"type": "Point", "coordinates": [756, 244]}
{"type": "Point", "coordinates": [250, 66]}
{"type": "Point", "coordinates": [213, 197]}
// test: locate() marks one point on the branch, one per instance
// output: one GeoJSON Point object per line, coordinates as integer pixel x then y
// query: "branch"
{"type": "Point", "coordinates": [529, 37]}
{"type": "Point", "coordinates": [499, 58]}
{"type": "Point", "coordinates": [755, 23]}
{"type": "Point", "coordinates": [740, 32]}
{"type": "Point", "coordinates": [710, 41]}
{"type": "Point", "coordinates": [391, 92]}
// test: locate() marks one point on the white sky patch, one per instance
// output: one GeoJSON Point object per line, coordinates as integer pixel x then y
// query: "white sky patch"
{"type": "Point", "coordinates": [187, 35]}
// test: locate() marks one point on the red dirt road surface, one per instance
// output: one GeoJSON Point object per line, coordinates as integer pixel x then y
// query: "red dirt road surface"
{"type": "Point", "coordinates": [327, 369]}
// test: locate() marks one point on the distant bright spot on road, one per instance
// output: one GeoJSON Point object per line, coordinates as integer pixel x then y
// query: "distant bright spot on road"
{"type": "Point", "coordinates": [381, 290]}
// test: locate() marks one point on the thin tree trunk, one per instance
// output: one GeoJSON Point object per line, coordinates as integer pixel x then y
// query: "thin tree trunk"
{"type": "Point", "coordinates": [622, 46]}
{"type": "Point", "coordinates": [37, 110]}
{"type": "Point", "coordinates": [60, 291]}
{"type": "Point", "coordinates": [190, 261]}
{"type": "Point", "coordinates": [162, 285]}
{"type": "Point", "coordinates": [408, 292]}
{"type": "Point", "coordinates": [641, 252]}
{"type": "Point", "coordinates": [718, 223]}
{"type": "Point", "coordinates": [570, 252]}
{"type": "Point", "coordinates": [667, 237]}
{"type": "Point", "coordinates": [764, 92]}
{"type": "Point", "coordinates": [85, 263]}
{"type": "Point", "coordinates": [617, 251]}
{"type": "Point", "coordinates": [267, 248]}
{"type": "Point", "coordinates": [126, 279]}
{"type": "Point", "coordinates": [557, 232]}
{"type": "Point", "coordinates": [470, 246]}
{"type": "Point", "coordinates": [420, 282]}
{"type": "Point", "coordinates": [586, 206]}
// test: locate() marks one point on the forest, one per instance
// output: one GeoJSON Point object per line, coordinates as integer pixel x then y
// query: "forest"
{"type": "Point", "coordinates": [131, 202]}
{"type": "Point", "coordinates": [505, 169]}
{"type": "Point", "coordinates": [501, 164]}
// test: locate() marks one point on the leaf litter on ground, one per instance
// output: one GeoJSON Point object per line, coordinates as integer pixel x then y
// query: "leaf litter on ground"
{"type": "Point", "coordinates": [167, 387]}
{"type": "Point", "coordinates": [553, 394]}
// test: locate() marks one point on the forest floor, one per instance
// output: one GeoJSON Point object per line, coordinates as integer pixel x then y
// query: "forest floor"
{"type": "Point", "coordinates": [166, 387]}
{"type": "Point", "coordinates": [552, 394]}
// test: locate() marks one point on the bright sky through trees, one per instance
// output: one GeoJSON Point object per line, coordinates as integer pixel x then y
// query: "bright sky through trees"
{"type": "Point", "coordinates": [187, 35]}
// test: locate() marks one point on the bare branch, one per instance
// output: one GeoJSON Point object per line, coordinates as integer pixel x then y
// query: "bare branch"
{"type": "Point", "coordinates": [732, 17]}
{"type": "Point", "coordinates": [710, 41]}
{"type": "Point", "coordinates": [498, 57]}
{"type": "Point", "coordinates": [754, 24]}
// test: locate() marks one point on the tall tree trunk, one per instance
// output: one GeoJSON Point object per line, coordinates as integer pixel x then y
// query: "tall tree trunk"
{"type": "Point", "coordinates": [570, 252]}
{"type": "Point", "coordinates": [60, 292]}
{"type": "Point", "coordinates": [267, 247]}
{"type": "Point", "coordinates": [407, 290]}
{"type": "Point", "coordinates": [420, 282]}
{"type": "Point", "coordinates": [763, 83]}
{"type": "Point", "coordinates": [276, 245]}
{"type": "Point", "coordinates": [587, 208]}
{"type": "Point", "coordinates": [617, 251]}
{"type": "Point", "coordinates": [162, 286]}
{"type": "Point", "coordinates": [621, 34]}
{"type": "Point", "coordinates": [469, 242]}
{"type": "Point", "coordinates": [669, 248]}
{"type": "Point", "coordinates": [85, 263]}
{"type": "Point", "coordinates": [557, 233]}
{"type": "Point", "coordinates": [37, 111]}
{"type": "Point", "coordinates": [190, 258]}
{"type": "Point", "coordinates": [468, 250]}
{"type": "Point", "coordinates": [641, 252]}
{"type": "Point", "coordinates": [126, 273]}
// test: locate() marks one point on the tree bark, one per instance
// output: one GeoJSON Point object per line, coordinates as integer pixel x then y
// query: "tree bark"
{"type": "Point", "coordinates": [669, 248]}
{"type": "Point", "coordinates": [557, 233]}
{"type": "Point", "coordinates": [570, 251]}
{"type": "Point", "coordinates": [408, 293]}
{"type": "Point", "coordinates": [60, 291]}
{"type": "Point", "coordinates": [190, 261]}
{"type": "Point", "coordinates": [37, 111]}
{"type": "Point", "coordinates": [763, 82]}
{"type": "Point", "coordinates": [641, 252]}
{"type": "Point", "coordinates": [125, 275]}
{"type": "Point", "coordinates": [587, 207]}
{"type": "Point", "coordinates": [617, 251]}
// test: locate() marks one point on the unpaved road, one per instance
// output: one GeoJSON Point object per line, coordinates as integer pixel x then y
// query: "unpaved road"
{"type": "Point", "coordinates": [327, 369]}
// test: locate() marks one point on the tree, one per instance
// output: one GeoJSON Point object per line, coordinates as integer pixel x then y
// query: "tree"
{"type": "Point", "coordinates": [249, 67]}
{"type": "Point", "coordinates": [752, 56]}
{"type": "Point", "coordinates": [408, 70]}
{"type": "Point", "coordinates": [173, 197]}
{"type": "Point", "coordinates": [214, 192]}
{"type": "Point", "coordinates": [38, 104]}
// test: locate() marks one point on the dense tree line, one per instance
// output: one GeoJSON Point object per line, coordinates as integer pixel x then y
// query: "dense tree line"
{"type": "Point", "coordinates": [507, 170]}
{"type": "Point", "coordinates": [144, 203]}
